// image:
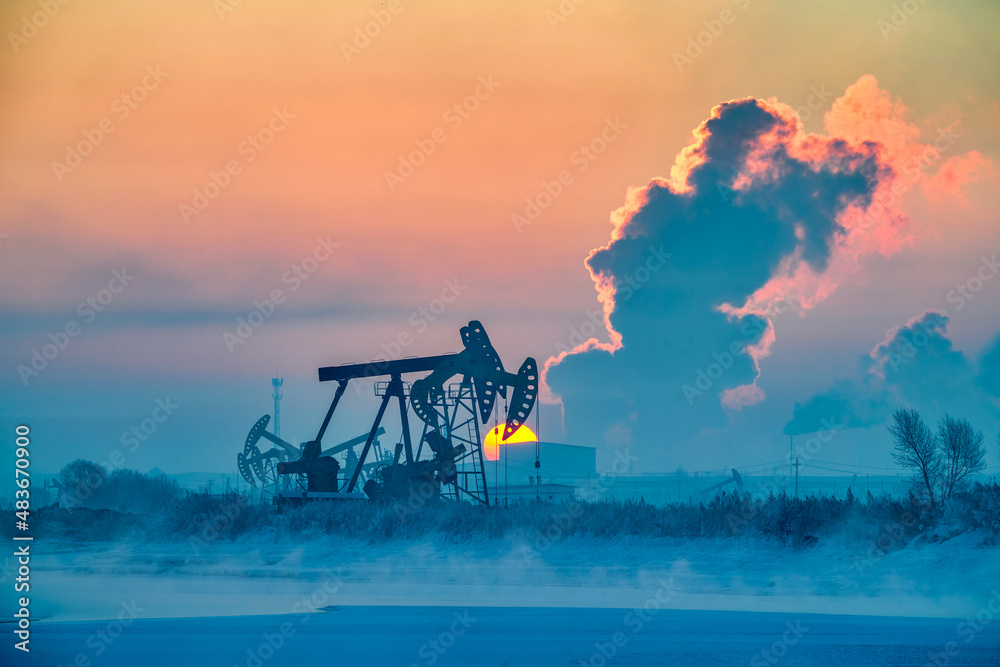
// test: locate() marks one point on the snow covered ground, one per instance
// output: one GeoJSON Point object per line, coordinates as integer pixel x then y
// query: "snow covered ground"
{"type": "Point", "coordinates": [79, 581]}
{"type": "Point", "coordinates": [533, 602]}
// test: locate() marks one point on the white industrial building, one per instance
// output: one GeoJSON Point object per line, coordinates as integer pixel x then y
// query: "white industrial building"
{"type": "Point", "coordinates": [562, 469]}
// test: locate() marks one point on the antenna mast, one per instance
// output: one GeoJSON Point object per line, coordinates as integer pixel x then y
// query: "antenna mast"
{"type": "Point", "coordinates": [276, 384]}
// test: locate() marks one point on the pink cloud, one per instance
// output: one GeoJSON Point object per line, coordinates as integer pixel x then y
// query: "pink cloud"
{"type": "Point", "coordinates": [864, 127]}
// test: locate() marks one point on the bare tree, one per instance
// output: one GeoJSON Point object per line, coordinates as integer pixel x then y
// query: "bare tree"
{"type": "Point", "coordinates": [81, 480]}
{"type": "Point", "coordinates": [962, 453]}
{"type": "Point", "coordinates": [915, 447]}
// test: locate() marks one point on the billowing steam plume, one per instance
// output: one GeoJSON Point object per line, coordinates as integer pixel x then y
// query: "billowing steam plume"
{"type": "Point", "coordinates": [757, 218]}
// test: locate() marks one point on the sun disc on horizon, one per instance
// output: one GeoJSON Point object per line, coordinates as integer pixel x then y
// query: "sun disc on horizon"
{"type": "Point", "coordinates": [494, 438]}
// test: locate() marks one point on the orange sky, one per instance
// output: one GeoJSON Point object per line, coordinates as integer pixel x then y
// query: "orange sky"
{"type": "Point", "coordinates": [324, 174]}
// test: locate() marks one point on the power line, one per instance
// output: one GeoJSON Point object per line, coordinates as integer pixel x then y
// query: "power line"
{"type": "Point", "coordinates": [852, 465]}
{"type": "Point", "coordinates": [849, 472]}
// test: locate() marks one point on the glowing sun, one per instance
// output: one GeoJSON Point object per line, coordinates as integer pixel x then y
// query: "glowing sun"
{"type": "Point", "coordinates": [494, 438]}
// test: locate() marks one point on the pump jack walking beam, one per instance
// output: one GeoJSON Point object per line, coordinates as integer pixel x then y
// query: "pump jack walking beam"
{"type": "Point", "coordinates": [341, 386]}
{"type": "Point", "coordinates": [381, 368]}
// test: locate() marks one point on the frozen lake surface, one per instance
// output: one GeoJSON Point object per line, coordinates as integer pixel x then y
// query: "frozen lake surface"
{"type": "Point", "coordinates": [519, 636]}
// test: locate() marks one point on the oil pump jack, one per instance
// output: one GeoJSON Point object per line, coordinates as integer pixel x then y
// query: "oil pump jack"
{"type": "Point", "coordinates": [736, 479]}
{"type": "Point", "coordinates": [255, 464]}
{"type": "Point", "coordinates": [450, 414]}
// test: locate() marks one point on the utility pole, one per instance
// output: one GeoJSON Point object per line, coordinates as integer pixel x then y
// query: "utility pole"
{"type": "Point", "coordinates": [790, 454]}
{"type": "Point", "coordinates": [797, 464]}
{"type": "Point", "coordinates": [538, 465]}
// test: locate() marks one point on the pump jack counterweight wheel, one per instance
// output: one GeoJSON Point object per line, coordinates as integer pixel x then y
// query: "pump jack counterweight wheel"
{"type": "Point", "coordinates": [244, 468]}
{"type": "Point", "coordinates": [266, 467]}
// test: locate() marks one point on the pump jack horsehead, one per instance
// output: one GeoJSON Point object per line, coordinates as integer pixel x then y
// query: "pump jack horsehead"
{"type": "Point", "coordinates": [450, 423]}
